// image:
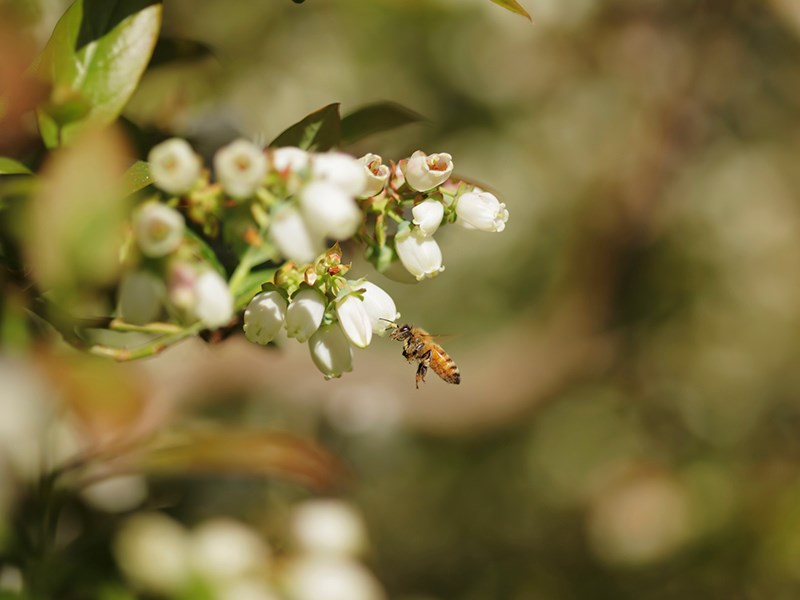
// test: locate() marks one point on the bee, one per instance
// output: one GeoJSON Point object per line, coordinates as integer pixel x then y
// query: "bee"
{"type": "Point", "coordinates": [418, 345]}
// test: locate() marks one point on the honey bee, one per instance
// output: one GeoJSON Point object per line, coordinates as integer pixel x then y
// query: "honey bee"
{"type": "Point", "coordinates": [418, 345]}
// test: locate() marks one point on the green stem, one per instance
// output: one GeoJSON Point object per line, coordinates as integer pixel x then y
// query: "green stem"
{"type": "Point", "coordinates": [167, 328]}
{"type": "Point", "coordinates": [242, 271]}
{"type": "Point", "coordinates": [150, 349]}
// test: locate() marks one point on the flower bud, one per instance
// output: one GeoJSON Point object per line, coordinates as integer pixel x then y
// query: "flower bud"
{"type": "Point", "coordinates": [379, 306]}
{"type": "Point", "coordinates": [481, 210]}
{"type": "Point", "coordinates": [354, 321]}
{"type": "Point", "coordinates": [289, 159]}
{"type": "Point", "coordinates": [329, 210]}
{"type": "Point", "coordinates": [223, 550]}
{"type": "Point", "coordinates": [330, 578]}
{"type": "Point", "coordinates": [304, 315]}
{"type": "Point", "coordinates": [428, 216]}
{"type": "Point", "coordinates": [264, 316]}
{"type": "Point", "coordinates": [423, 172]}
{"type": "Point", "coordinates": [181, 285]}
{"type": "Point", "coordinates": [140, 297]}
{"type": "Point", "coordinates": [240, 168]}
{"type": "Point", "coordinates": [174, 166]}
{"type": "Point", "coordinates": [340, 169]}
{"type": "Point", "coordinates": [420, 254]}
{"type": "Point", "coordinates": [377, 175]}
{"type": "Point", "coordinates": [330, 351]}
{"type": "Point", "coordinates": [328, 527]}
{"type": "Point", "coordinates": [292, 236]}
{"type": "Point", "coordinates": [158, 229]}
{"type": "Point", "coordinates": [213, 300]}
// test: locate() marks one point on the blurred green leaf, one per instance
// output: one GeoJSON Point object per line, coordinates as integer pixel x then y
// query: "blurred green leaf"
{"type": "Point", "coordinates": [9, 166]}
{"type": "Point", "coordinates": [172, 50]}
{"type": "Point", "coordinates": [96, 55]}
{"type": "Point", "coordinates": [514, 7]}
{"type": "Point", "coordinates": [206, 253]}
{"type": "Point", "coordinates": [376, 118]}
{"type": "Point", "coordinates": [244, 452]}
{"type": "Point", "coordinates": [136, 178]}
{"type": "Point", "coordinates": [319, 131]}
{"type": "Point", "coordinates": [252, 285]}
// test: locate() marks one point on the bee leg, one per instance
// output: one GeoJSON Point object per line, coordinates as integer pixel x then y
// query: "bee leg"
{"type": "Point", "coordinates": [422, 369]}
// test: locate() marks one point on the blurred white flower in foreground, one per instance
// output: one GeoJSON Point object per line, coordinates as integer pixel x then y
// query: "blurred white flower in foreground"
{"type": "Point", "coordinates": [420, 254]}
{"type": "Point", "coordinates": [330, 351]}
{"type": "Point", "coordinates": [213, 300]}
{"type": "Point", "coordinates": [174, 166]}
{"type": "Point", "coordinates": [158, 229]}
{"type": "Point", "coordinates": [425, 172]}
{"type": "Point", "coordinates": [264, 316]}
{"type": "Point", "coordinates": [292, 236]}
{"type": "Point", "coordinates": [377, 174]}
{"type": "Point", "coordinates": [340, 169]}
{"type": "Point", "coordinates": [481, 210]}
{"type": "Point", "coordinates": [240, 167]}
{"type": "Point", "coordinates": [428, 216]}
{"type": "Point", "coordinates": [379, 306]}
{"type": "Point", "coordinates": [329, 210]}
{"type": "Point", "coordinates": [289, 159]}
{"type": "Point", "coordinates": [328, 527]}
{"type": "Point", "coordinates": [117, 493]}
{"type": "Point", "coordinates": [323, 577]}
{"type": "Point", "coordinates": [223, 550]}
{"type": "Point", "coordinates": [304, 315]}
{"type": "Point", "coordinates": [354, 321]}
{"type": "Point", "coordinates": [140, 297]}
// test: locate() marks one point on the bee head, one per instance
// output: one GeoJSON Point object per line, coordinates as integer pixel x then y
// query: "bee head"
{"type": "Point", "coordinates": [400, 332]}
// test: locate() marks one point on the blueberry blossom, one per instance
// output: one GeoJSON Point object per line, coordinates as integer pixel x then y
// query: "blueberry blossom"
{"type": "Point", "coordinates": [424, 172]}
{"type": "Point", "coordinates": [305, 313]}
{"type": "Point", "coordinates": [289, 159]}
{"type": "Point", "coordinates": [292, 236]}
{"type": "Point", "coordinates": [380, 307]}
{"type": "Point", "coordinates": [377, 175]}
{"type": "Point", "coordinates": [240, 167]}
{"type": "Point", "coordinates": [174, 166]}
{"type": "Point", "coordinates": [340, 169]}
{"type": "Point", "coordinates": [354, 320]}
{"type": "Point", "coordinates": [158, 229]}
{"type": "Point", "coordinates": [481, 210]}
{"type": "Point", "coordinates": [420, 254]}
{"type": "Point", "coordinates": [428, 216]}
{"type": "Point", "coordinates": [213, 302]}
{"type": "Point", "coordinates": [330, 351]}
{"type": "Point", "coordinates": [330, 211]}
{"type": "Point", "coordinates": [264, 317]}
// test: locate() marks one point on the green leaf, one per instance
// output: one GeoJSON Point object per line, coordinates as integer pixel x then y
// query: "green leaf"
{"type": "Point", "coordinates": [514, 7]}
{"type": "Point", "coordinates": [94, 60]}
{"type": "Point", "coordinates": [205, 252]}
{"type": "Point", "coordinates": [136, 178]}
{"type": "Point", "coordinates": [252, 286]}
{"type": "Point", "coordinates": [318, 132]}
{"type": "Point", "coordinates": [173, 50]}
{"type": "Point", "coordinates": [9, 166]}
{"type": "Point", "coordinates": [376, 118]}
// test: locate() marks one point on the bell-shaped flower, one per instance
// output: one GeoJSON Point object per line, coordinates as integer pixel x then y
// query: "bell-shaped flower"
{"type": "Point", "coordinates": [240, 167]}
{"type": "Point", "coordinates": [354, 320]}
{"type": "Point", "coordinates": [377, 175]}
{"type": "Point", "coordinates": [174, 166]}
{"type": "Point", "coordinates": [380, 307]}
{"type": "Point", "coordinates": [213, 302]}
{"type": "Point", "coordinates": [223, 550]}
{"type": "Point", "coordinates": [292, 236]}
{"type": "Point", "coordinates": [428, 216]}
{"type": "Point", "coordinates": [315, 576]}
{"type": "Point", "coordinates": [420, 254]}
{"type": "Point", "coordinates": [340, 169]}
{"type": "Point", "coordinates": [424, 172]}
{"type": "Point", "coordinates": [481, 210]}
{"type": "Point", "coordinates": [141, 295]}
{"type": "Point", "coordinates": [158, 229]}
{"type": "Point", "coordinates": [329, 210]}
{"type": "Point", "coordinates": [264, 317]}
{"type": "Point", "coordinates": [304, 315]}
{"type": "Point", "coordinates": [330, 351]}
{"type": "Point", "coordinates": [289, 158]}
{"type": "Point", "coordinates": [328, 527]}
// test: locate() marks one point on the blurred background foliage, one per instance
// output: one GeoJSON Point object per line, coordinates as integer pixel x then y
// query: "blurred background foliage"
{"type": "Point", "coordinates": [628, 425]}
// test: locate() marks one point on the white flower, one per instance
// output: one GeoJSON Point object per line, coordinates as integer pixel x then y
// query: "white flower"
{"type": "Point", "coordinates": [379, 306]}
{"type": "Point", "coordinates": [181, 287]}
{"type": "Point", "coordinates": [213, 302]}
{"type": "Point", "coordinates": [292, 236]}
{"type": "Point", "coordinates": [158, 229]}
{"type": "Point", "coordinates": [264, 316]}
{"type": "Point", "coordinates": [174, 166]}
{"type": "Point", "coordinates": [223, 550]}
{"type": "Point", "coordinates": [481, 210]}
{"type": "Point", "coordinates": [240, 167]}
{"type": "Point", "coordinates": [304, 315]}
{"type": "Point", "coordinates": [420, 254]}
{"type": "Point", "coordinates": [328, 527]}
{"type": "Point", "coordinates": [140, 297]}
{"type": "Point", "coordinates": [354, 321]}
{"type": "Point", "coordinates": [330, 351]}
{"type": "Point", "coordinates": [153, 551]}
{"type": "Point", "coordinates": [329, 210]}
{"type": "Point", "coordinates": [116, 494]}
{"type": "Point", "coordinates": [377, 174]}
{"type": "Point", "coordinates": [331, 578]}
{"type": "Point", "coordinates": [428, 216]}
{"type": "Point", "coordinates": [289, 159]}
{"type": "Point", "coordinates": [423, 172]}
{"type": "Point", "coordinates": [340, 169]}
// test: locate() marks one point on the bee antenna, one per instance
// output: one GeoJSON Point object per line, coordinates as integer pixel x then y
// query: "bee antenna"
{"type": "Point", "coordinates": [387, 320]}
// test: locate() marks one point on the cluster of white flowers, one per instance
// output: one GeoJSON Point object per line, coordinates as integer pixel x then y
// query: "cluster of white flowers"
{"type": "Point", "coordinates": [230, 561]}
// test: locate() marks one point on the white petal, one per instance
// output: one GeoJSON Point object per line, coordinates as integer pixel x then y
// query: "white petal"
{"type": "Point", "coordinates": [224, 550]}
{"type": "Point", "coordinates": [420, 254]}
{"type": "Point", "coordinates": [329, 210]}
{"type": "Point", "coordinates": [377, 175]}
{"type": "Point", "coordinates": [425, 172]}
{"type": "Point", "coordinates": [330, 351]}
{"type": "Point", "coordinates": [174, 166]}
{"type": "Point", "coordinates": [305, 313]}
{"type": "Point", "coordinates": [264, 316]}
{"type": "Point", "coordinates": [289, 159]}
{"type": "Point", "coordinates": [213, 300]}
{"type": "Point", "coordinates": [481, 210]}
{"type": "Point", "coordinates": [292, 237]}
{"type": "Point", "coordinates": [379, 306]}
{"type": "Point", "coordinates": [329, 527]}
{"type": "Point", "coordinates": [240, 167]}
{"type": "Point", "coordinates": [341, 170]}
{"type": "Point", "coordinates": [354, 321]}
{"type": "Point", "coordinates": [428, 216]}
{"type": "Point", "coordinates": [158, 229]}
{"type": "Point", "coordinates": [323, 577]}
